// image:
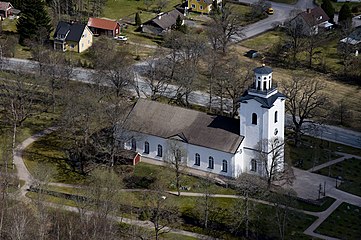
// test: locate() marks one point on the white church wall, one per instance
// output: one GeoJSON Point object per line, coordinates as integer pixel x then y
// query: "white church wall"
{"type": "Point", "coordinates": [191, 150]}
{"type": "Point", "coordinates": [252, 132]}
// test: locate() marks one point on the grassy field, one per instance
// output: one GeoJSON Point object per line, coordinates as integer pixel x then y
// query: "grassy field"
{"type": "Point", "coordinates": [264, 42]}
{"type": "Point", "coordinates": [343, 223]}
{"type": "Point", "coordinates": [118, 9]}
{"type": "Point", "coordinates": [221, 214]}
{"type": "Point", "coordinates": [349, 171]}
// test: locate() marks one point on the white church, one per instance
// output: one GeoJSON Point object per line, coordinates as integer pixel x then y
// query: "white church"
{"type": "Point", "coordinates": [216, 144]}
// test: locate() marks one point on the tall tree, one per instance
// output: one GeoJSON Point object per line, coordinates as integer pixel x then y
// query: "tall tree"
{"type": "Point", "coordinates": [177, 160]}
{"type": "Point", "coordinates": [225, 24]}
{"type": "Point", "coordinates": [270, 153]}
{"type": "Point", "coordinates": [138, 21]}
{"type": "Point", "coordinates": [329, 9]}
{"type": "Point", "coordinates": [295, 37]}
{"type": "Point", "coordinates": [34, 22]}
{"type": "Point", "coordinates": [306, 102]}
{"type": "Point", "coordinates": [345, 14]}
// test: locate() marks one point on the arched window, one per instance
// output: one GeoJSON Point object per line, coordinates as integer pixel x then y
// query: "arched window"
{"type": "Point", "coordinates": [197, 160]}
{"type": "Point", "coordinates": [160, 151]}
{"type": "Point", "coordinates": [134, 144]}
{"type": "Point", "coordinates": [224, 166]}
{"type": "Point", "coordinates": [254, 165]}
{"type": "Point", "coordinates": [211, 163]}
{"type": "Point", "coordinates": [146, 147]}
{"type": "Point", "coordinates": [254, 118]}
{"type": "Point", "coordinates": [276, 116]}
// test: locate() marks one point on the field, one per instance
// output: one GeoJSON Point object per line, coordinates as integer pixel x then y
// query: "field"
{"type": "Point", "coordinates": [343, 223]}
{"type": "Point", "coordinates": [348, 170]}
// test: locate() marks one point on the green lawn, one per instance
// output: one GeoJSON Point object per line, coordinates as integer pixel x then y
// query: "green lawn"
{"type": "Point", "coordinates": [343, 223]}
{"type": "Point", "coordinates": [311, 153]}
{"type": "Point", "coordinates": [9, 25]}
{"type": "Point", "coordinates": [265, 41]}
{"type": "Point", "coordinates": [326, 202]}
{"type": "Point", "coordinates": [117, 9]}
{"type": "Point", "coordinates": [350, 173]}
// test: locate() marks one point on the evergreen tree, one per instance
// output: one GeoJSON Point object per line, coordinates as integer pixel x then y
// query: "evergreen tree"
{"type": "Point", "coordinates": [18, 4]}
{"type": "Point", "coordinates": [179, 26]}
{"type": "Point", "coordinates": [329, 9]}
{"type": "Point", "coordinates": [34, 22]}
{"type": "Point", "coordinates": [138, 21]}
{"type": "Point", "coordinates": [345, 15]}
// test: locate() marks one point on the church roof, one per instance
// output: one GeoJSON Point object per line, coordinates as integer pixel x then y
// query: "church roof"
{"type": "Point", "coordinates": [263, 70]}
{"type": "Point", "coordinates": [197, 128]}
{"type": "Point", "coordinates": [265, 102]}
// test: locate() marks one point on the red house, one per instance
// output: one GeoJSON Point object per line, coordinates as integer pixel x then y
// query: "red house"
{"type": "Point", "coordinates": [106, 27]}
{"type": "Point", "coordinates": [6, 10]}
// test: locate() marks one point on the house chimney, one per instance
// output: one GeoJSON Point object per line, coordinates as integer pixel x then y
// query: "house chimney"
{"type": "Point", "coordinates": [308, 10]}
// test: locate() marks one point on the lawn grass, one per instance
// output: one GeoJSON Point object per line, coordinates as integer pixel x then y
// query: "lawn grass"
{"type": "Point", "coordinates": [311, 153]}
{"type": "Point", "coordinates": [117, 9]}
{"type": "Point", "coordinates": [9, 25]}
{"type": "Point", "coordinates": [343, 223]}
{"type": "Point", "coordinates": [262, 215]}
{"type": "Point", "coordinates": [147, 173]}
{"type": "Point", "coordinates": [48, 151]}
{"type": "Point", "coordinates": [265, 41]}
{"type": "Point", "coordinates": [326, 202]}
{"type": "Point", "coordinates": [285, 1]}
{"type": "Point", "coordinates": [349, 171]}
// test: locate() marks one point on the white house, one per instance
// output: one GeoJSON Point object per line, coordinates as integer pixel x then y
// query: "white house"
{"type": "Point", "coordinates": [212, 143]}
{"type": "Point", "coordinates": [311, 21]}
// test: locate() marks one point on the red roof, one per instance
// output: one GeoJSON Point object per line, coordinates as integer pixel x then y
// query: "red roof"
{"type": "Point", "coordinates": [4, 5]}
{"type": "Point", "coordinates": [102, 23]}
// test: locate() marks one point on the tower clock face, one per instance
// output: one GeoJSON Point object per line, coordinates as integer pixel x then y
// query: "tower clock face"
{"type": "Point", "coordinates": [276, 131]}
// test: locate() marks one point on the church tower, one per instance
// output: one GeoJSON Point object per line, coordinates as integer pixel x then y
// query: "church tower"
{"type": "Point", "coordinates": [262, 119]}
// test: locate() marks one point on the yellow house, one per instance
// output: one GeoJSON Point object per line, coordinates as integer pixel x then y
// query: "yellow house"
{"type": "Point", "coordinates": [72, 37]}
{"type": "Point", "coordinates": [201, 6]}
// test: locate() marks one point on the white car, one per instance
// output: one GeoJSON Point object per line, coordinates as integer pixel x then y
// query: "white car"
{"type": "Point", "coordinates": [121, 38]}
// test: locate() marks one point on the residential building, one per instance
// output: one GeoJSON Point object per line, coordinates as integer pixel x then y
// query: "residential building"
{"type": "Point", "coordinates": [163, 23]}
{"type": "Point", "coordinates": [107, 27]}
{"type": "Point", "coordinates": [6, 10]}
{"type": "Point", "coordinates": [353, 40]}
{"type": "Point", "coordinates": [201, 6]}
{"type": "Point", "coordinates": [312, 20]}
{"type": "Point", "coordinates": [213, 143]}
{"type": "Point", "coordinates": [72, 37]}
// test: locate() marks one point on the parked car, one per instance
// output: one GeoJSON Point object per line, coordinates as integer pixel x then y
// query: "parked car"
{"type": "Point", "coordinates": [121, 38]}
{"type": "Point", "coordinates": [269, 11]}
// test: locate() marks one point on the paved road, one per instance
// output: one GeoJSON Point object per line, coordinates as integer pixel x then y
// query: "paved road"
{"type": "Point", "coordinates": [281, 14]}
{"type": "Point", "coordinates": [327, 132]}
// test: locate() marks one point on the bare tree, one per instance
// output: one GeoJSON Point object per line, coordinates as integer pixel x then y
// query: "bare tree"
{"type": "Point", "coordinates": [176, 158]}
{"type": "Point", "coordinates": [157, 76]}
{"type": "Point", "coordinates": [187, 51]}
{"type": "Point", "coordinates": [225, 24]}
{"type": "Point", "coordinates": [160, 208]}
{"type": "Point", "coordinates": [247, 186]}
{"type": "Point", "coordinates": [283, 202]}
{"type": "Point", "coordinates": [296, 37]}
{"type": "Point", "coordinates": [271, 156]}
{"type": "Point", "coordinates": [114, 67]}
{"type": "Point", "coordinates": [81, 118]}
{"type": "Point", "coordinates": [305, 102]}
{"type": "Point", "coordinates": [19, 102]}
